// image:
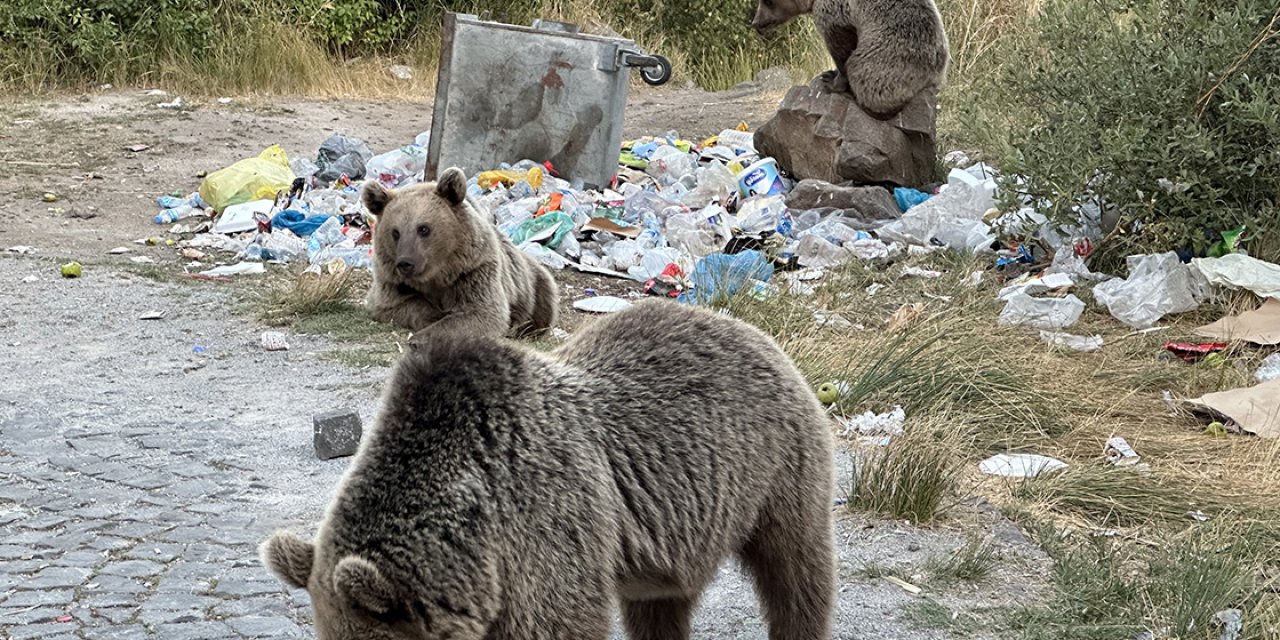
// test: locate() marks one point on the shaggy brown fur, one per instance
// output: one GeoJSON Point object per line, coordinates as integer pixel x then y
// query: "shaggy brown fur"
{"type": "Point", "coordinates": [439, 264]}
{"type": "Point", "coordinates": [507, 494]}
{"type": "Point", "coordinates": [886, 52]}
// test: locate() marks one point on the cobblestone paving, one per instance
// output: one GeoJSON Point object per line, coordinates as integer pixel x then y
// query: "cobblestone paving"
{"type": "Point", "coordinates": [136, 479]}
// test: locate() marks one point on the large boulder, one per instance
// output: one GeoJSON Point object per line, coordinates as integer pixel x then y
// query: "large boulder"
{"type": "Point", "coordinates": [869, 204]}
{"type": "Point", "coordinates": [827, 136]}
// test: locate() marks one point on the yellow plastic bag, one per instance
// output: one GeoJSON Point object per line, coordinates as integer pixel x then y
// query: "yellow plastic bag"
{"type": "Point", "coordinates": [491, 179]}
{"type": "Point", "coordinates": [250, 179]}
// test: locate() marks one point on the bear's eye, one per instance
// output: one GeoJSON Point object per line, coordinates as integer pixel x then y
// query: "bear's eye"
{"type": "Point", "coordinates": [423, 231]}
{"type": "Point", "coordinates": [395, 234]}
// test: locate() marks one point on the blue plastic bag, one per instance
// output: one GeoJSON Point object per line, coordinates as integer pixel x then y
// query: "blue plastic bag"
{"type": "Point", "coordinates": [298, 222]}
{"type": "Point", "coordinates": [908, 198]}
{"type": "Point", "coordinates": [719, 277]}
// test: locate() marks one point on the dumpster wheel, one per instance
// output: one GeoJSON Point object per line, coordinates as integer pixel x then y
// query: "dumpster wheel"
{"type": "Point", "coordinates": [657, 74]}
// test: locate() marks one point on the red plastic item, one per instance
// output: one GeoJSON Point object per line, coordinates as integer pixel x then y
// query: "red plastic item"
{"type": "Point", "coordinates": [1192, 351]}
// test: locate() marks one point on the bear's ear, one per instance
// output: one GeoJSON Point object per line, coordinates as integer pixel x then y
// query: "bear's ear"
{"type": "Point", "coordinates": [452, 186]}
{"type": "Point", "coordinates": [362, 584]}
{"type": "Point", "coordinates": [289, 557]}
{"type": "Point", "coordinates": [375, 197]}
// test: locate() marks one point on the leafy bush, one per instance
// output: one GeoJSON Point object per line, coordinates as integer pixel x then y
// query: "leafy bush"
{"type": "Point", "coordinates": [1167, 109]}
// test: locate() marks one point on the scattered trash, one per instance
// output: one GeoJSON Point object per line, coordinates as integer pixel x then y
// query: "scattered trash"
{"type": "Point", "coordinates": [176, 103]}
{"type": "Point", "coordinates": [905, 316]}
{"type": "Point", "coordinates": [198, 349]}
{"type": "Point", "coordinates": [21, 249]}
{"type": "Point", "coordinates": [1239, 271]}
{"type": "Point", "coordinates": [1041, 313]}
{"type": "Point", "coordinates": [401, 72]}
{"type": "Point", "coordinates": [903, 584]}
{"type": "Point", "coordinates": [30, 279]}
{"type": "Point", "coordinates": [341, 156]}
{"type": "Point", "coordinates": [833, 320]}
{"type": "Point", "coordinates": [137, 148]}
{"type": "Point", "coordinates": [1036, 285]}
{"type": "Point", "coordinates": [225, 100]}
{"type": "Point", "coordinates": [50, 197]}
{"type": "Point", "coordinates": [921, 273]}
{"type": "Point", "coordinates": [152, 315]}
{"type": "Point", "coordinates": [72, 270]}
{"type": "Point", "coordinates": [1074, 342]}
{"type": "Point", "coordinates": [243, 268]}
{"type": "Point", "coordinates": [1255, 409]}
{"type": "Point", "coordinates": [1193, 351]}
{"type": "Point", "coordinates": [1198, 516]}
{"type": "Point", "coordinates": [274, 341]}
{"type": "Point", "coordinates": [1119, 453]}
{"type": "Point", "coordinates": [953, 219]}
{"type": "Point", "coordinates": [1269, 369]}
{"type": "Point", "coordinates": [1020, 465]}
{"type": "Point", "coordinates": [1158, 285]}
{"type": "Point", "coordinates": [242, 217]}
{"type": "Point", "coordinates": [119, 250]}
{"type": "Point", "coordinates": [1260, 326]}
{"type": "Point", "coordinates": [871, 423]}
{"type": "Point", "coordinates": [721, 277]}
{"type": "Point", "coordinates": [601, 304]}
{"type": "Point", "coordinates": [142, 260]}
{"type": "Point", "coordinates": [1232, 623]}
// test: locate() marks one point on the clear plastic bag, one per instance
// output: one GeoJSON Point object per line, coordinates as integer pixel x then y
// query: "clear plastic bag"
{"type": "Point", "coordinates": [1158, 285]}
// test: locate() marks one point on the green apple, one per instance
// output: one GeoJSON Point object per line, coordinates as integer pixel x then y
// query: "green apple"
{"type": "Point", "coordinates": [828, 393]}
{"type": "Point", "coordinates": [72, 270]}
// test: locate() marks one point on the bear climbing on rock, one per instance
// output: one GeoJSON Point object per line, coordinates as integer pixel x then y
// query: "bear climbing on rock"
{"type": "Point", "coordinates": [886, 52]}
{"type": "Point", "coordinates": [508, 494]}
{"type": "Point", "coordinates": [439, 265]}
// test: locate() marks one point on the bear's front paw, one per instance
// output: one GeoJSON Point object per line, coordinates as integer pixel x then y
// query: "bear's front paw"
{"type": "Point", "coordinates": [834, 81]}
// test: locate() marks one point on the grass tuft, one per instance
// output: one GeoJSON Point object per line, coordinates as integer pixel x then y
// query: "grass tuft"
{"type": "Point", "coordinates": [912, 476]}
{"type": "Point", "coordinates": [973, 562]}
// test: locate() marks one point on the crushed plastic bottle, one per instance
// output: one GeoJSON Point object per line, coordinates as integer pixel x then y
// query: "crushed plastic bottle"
{"type": "Point", "coordinates": [668, 164]}
{"type": "Point", "coordinates": [758, 215]}
{"type": "Point", "coordinates": [169, 216]}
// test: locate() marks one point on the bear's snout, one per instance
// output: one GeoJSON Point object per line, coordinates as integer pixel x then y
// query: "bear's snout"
{"type": "Point", "coordinates": [405, 267]}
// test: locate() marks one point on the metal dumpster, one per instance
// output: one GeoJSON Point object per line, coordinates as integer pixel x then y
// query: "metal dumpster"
{"type": "Point", "coordinates": [546, 93]}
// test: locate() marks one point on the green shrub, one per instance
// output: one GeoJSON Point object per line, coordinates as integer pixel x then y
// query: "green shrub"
{"type": "Point", "coordinates": [1168, 109]}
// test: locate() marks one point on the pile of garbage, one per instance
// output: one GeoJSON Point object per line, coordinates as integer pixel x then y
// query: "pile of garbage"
{"type": "Point", "coordinates": [270, 209]}
{"type": "Point", "coordinates": [678, 217]}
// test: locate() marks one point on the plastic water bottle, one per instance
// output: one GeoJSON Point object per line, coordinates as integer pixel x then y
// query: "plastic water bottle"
{"type": "Point", "coordinates": [177, 213]}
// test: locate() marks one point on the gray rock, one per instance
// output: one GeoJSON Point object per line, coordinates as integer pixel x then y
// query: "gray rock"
{"type": "Point", "coordinates": [826, 136]}
{"type": "Point", "coordinates": [337, 434]}
{"type": "Point", "coordinates": [864, 203]}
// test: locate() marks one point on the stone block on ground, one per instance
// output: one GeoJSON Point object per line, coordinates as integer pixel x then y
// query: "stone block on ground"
{"type": "Point", "coordinates": [337, 434]}
{"type": "Point", "coordinates": [864, 204]}
{"type": "Point", "coordinates": [827, 136]}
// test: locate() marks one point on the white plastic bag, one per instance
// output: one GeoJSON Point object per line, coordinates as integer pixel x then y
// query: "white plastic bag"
{"type": "Point", "coordinates": [1041, 313]}
{"type": "Point", "coordinates": [1240, 271]}
{"type": "Point", "coordinates": [953, 217]}
{"type": "Point", "coordinates": [1158, 285]}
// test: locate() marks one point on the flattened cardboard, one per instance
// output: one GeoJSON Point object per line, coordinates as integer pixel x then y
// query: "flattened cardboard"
{"type": "Point", "coordinates": [1260, 326]}
{"type": "Point", "coordinates": [605, 224]}
{"type": "Point", "coordinates": [1256, 409]}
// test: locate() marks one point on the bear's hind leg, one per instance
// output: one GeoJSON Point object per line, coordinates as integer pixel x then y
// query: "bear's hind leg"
{"type": "Point", "coordinates": [793, 564]}
{"type": "Point", "coordinates": [657, 619]}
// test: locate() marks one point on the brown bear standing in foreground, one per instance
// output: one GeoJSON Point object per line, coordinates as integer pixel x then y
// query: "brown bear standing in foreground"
{"type": "Point", "coordinates": [886, 51]}
{"type": "Point", "coordinates": [508, 494]}
{"type": "Point", "coordinates": [439, 264]}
